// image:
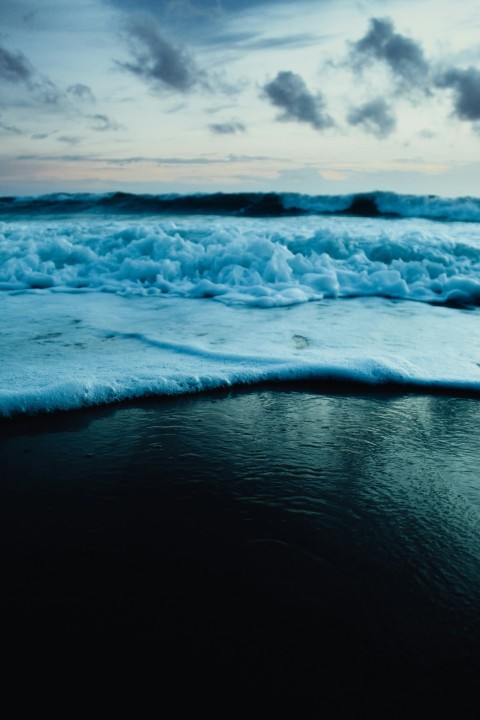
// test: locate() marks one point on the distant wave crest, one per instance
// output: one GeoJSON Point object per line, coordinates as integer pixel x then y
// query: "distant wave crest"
{"type": "Point", "coordinates": [249, 204]}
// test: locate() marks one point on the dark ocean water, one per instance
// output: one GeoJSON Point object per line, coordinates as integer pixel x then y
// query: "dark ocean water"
{"type": "Point", "coordinates": [296, 543]}
{"type": "Point", "coordinates": [248, 204]}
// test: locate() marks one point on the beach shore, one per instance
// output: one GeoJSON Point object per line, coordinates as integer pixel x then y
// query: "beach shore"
{"type": "Point", "coordinates": [324, 541]}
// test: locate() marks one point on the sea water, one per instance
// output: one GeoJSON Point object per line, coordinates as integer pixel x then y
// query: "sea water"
{"type": "Point", "coordinates": [293, 539]}
{"type": "Point", "coordinates": [111, 297]}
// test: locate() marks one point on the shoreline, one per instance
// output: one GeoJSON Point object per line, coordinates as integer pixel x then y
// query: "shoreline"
{"type": "Point", "coordinates": [323, 386]}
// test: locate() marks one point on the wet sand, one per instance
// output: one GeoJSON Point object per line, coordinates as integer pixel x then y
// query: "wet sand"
{"type": "Point", "coordinates": [292, 541]}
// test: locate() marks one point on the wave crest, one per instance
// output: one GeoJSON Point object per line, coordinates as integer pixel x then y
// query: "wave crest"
{"type": "Point", "coordinates": [374, 204]}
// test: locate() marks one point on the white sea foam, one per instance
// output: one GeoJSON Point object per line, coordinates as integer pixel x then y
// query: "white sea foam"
{"type": "Point", "coordinates": [253, 262]}
{"type": "Point", "coordinates": [69, 351]}
{"type": "Point", "coordinates": [96, 311]}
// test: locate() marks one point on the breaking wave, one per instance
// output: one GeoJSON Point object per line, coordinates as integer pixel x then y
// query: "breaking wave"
{"type": "Point", "coordinates": [249, 204]}
{"type": "Point", "coordinates": [251, 261]}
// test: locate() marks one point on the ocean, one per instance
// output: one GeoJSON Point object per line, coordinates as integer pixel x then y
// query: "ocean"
{"type": "Point", "coordinates": [111, 297]}
{"type": "Point", "coordinates": [240, 445]}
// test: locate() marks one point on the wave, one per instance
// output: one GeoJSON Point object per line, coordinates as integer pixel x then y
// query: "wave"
{"type": "Point", "coordinates": [248, 204]}
{"type": "Point", "coordinates": [249, 262]}
{"type": "Point", "coordinates": [77, 394]}
{"type": "Point", "coordinates": [70, 351]}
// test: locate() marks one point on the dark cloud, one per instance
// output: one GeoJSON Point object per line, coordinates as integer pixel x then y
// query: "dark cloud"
{"type": "Point", "coordinates": [289, 92]}
{"type": "Point", "coordinates": [403, 56]}
{"type": "Point", "coordinates": [405, 59]}
{"type": "Point", "coordinates": [155, 59]}
{"type": "Point", "coordinates": [227, 128]}
{"type": "Point", "coordinates": [40, 136]}
{"type": "Point", "coordinates": [466, 91]}
{"type": "Point", "coordinates": [81, 92]}
{"type": "Point", "coordinates": [103, 122]}
{"type": "Point", "coordinates": [14, 66]}
{"type": "Point", "coordinates": [375, 117]}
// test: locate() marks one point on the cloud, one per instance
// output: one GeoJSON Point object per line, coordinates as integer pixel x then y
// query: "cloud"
{"type": "Point", "coordinates": [47, 92]}
{"type": "Point", "coordinates": [103, 122]}
{"type": "Point", "coordinates": [36, 90]}
{"type": "Point", "coordinates": [139, 159]}
{"type": "Point", "coordinates": [69, 139]}
{"type": "Point", "coordinates": [403, 56]}
{"type": "Point", "coordinates": [375, 117]}
{"type": "Point", "coordinates": [81, 92]}
{"type": "Point", "coordinates": [288, 41]}
{"type": "Point", "coordinates": [289, 92]}
{"type": "Point", "coordinates": [406, 62]}
{"type": "Point", "coordinates": [14, 66]}
{"type": "Point", "coordinates": [194, 8]}
{"type": "Point", "coordinates": [11, 129]}
{"type": "Point", "coordinates": [155, 60]}
{"type": "Point", "coordinates": [227, 128]}
{"type": "Point", "coordinates": [466, 90]}
{"type": "Point", "coordinates": [243, 41]}
{"type": "Point", "coordinates": [17, 70]}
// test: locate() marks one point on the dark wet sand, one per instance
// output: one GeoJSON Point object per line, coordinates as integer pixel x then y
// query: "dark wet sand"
{"type": "Point", "coordinates": [319, 546]}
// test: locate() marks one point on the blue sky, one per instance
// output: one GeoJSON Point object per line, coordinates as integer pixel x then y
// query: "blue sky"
{"type": "Point", "coordinates": [316, 96]}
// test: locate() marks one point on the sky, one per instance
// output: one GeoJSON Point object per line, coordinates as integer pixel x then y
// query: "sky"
{"type": "Point", "coordinates": [313, 96]}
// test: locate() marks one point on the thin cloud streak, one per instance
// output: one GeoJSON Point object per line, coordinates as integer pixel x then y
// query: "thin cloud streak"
{"type": "Point", "coordinates": [139, 159]}
{"type": "Point", "coordinates": [11, 129]}
{"type": "Point", "coordinates": [227, 128]}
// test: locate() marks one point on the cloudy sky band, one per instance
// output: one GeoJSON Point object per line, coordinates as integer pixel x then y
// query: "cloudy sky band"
{"type": "Point", "coordinates": [304, 87]}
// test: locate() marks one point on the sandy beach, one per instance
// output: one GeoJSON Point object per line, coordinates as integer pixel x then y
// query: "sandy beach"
{"type": "Point", "coordinates": [324, 540]}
